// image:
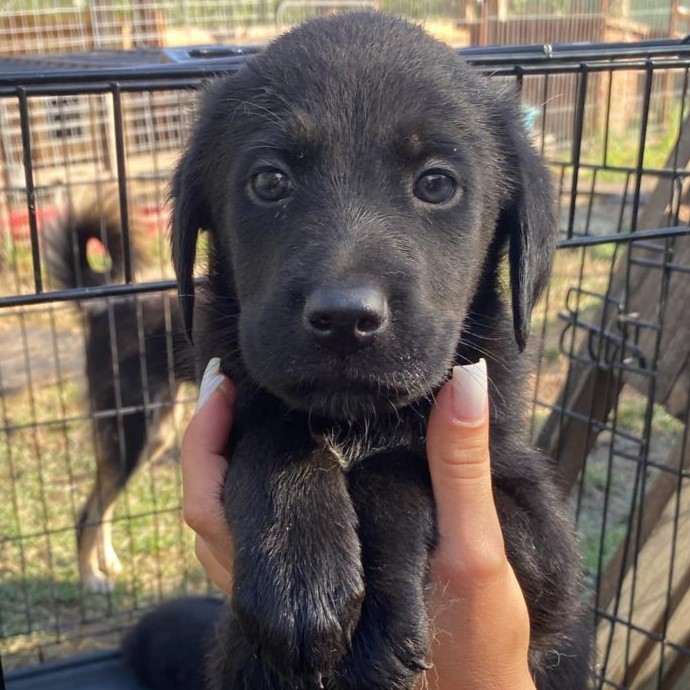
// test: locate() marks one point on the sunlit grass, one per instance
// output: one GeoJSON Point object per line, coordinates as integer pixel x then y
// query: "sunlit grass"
{"type": "Point", "coordinates": [46, 472]}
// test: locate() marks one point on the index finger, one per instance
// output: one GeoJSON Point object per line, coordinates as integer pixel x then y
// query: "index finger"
{"type": "Point", "coordinates": [470, 537]}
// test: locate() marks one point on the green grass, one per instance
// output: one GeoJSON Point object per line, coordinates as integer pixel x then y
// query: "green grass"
{"type": "Point", "coordinates": [632, 413]}
{"type": "Point", "coordinates": [16, 276]}
{"type": "Point", "coordinates": [45, 474]}
{"type": "Point", "coordinates": [591, 548]}
{"type": "Point", "coordinates": [569, 264]}
{"type": "Point", "coordinates": [604, 253]}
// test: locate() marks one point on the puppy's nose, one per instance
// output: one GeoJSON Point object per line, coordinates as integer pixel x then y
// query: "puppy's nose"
{"type": "Point", "coordinates": [346, 319]}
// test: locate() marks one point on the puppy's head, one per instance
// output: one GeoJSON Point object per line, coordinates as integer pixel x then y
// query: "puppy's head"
{"type": "Point", "coordinates": [358, 181]}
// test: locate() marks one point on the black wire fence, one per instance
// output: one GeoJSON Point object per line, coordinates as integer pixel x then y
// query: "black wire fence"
{"type": "Point", "coordinates": [610, 395]}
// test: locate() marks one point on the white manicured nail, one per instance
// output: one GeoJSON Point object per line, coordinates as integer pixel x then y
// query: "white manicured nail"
{"type": "Point", "coordinates": [211, 379]}
{"type": "Point", "coordinates": [470, 393]}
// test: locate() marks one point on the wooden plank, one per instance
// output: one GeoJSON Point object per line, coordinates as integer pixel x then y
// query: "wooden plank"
{"type": "Point", "coordinates": [633, 657]}
{"type": "Point", "coordinates": [667, 668]}
{"type": "Point", "coordinates": [655, 503]}
{"type": "Point", "coordinates": [591, 397]}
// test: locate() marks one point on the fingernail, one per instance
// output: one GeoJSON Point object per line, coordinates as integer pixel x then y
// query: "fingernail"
{"type": "Point", "coordinates": [211, 379]}
{"type": "Point", "coordinates": [469, 396]}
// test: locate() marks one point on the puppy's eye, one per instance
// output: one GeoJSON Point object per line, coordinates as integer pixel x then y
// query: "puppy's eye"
{"type": "Point", "coordinates": [435, 187]}
{"type": "Point", "coordinates": [271, 185]}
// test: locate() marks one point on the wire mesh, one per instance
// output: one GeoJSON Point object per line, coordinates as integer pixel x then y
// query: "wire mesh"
{"type": "Point", "coordinates": [610, 399]}
{"type": "Point", "coordinates": [76, 26]}
{"type": "Point", "coordinates": [58, 26]}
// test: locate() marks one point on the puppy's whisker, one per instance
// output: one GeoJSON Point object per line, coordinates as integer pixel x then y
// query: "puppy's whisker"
{"type": "Point", "coordinates": [263, 112]}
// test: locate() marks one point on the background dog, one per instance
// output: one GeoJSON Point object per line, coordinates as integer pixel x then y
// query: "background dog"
{"type": "Point", "coordinates": [136, 357]}
{"type": "Point", "coordinates": [361, 187]}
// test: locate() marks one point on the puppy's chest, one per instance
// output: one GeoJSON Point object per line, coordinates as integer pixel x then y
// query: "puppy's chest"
{"type": "Point", "coordinates": [351, 445]}
{"type": "Point", "coordinates": [348, 451]}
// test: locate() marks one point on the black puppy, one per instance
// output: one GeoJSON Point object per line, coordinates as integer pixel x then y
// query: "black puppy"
{"type": "Point", "coordinates": [361, 185]}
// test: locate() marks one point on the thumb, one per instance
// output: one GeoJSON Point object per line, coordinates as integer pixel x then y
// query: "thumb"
{"type": "Point", "coordinates": [208, 431]}
{"type": "Point", "coordinates": [204, 464]}
{"type": "Point", "coordinates": [459, 462]}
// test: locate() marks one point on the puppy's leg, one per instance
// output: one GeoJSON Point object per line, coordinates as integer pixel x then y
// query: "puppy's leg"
{"type": "Point", "coordinates": [393, 499]}
{"type": "Point", "coordinates": [234, 665]}
{"type": "Point", "coordinates": [297, 580]}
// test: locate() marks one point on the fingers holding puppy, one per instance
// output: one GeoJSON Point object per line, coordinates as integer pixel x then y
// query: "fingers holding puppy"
{"type": "Point", "coordinates": [478, 602]}
{"type": "Point", "coordinates": [204, 467]}
{"type": "Point", "coordinates": [459, 462]}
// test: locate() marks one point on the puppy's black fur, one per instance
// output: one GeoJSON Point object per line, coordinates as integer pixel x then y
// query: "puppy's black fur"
{"type": "Point", "coordinates": [165, 654]}
{"type": "Point", "coordinates": [359, 162]}
{"type": "Point", "coordinates": [136, 356]}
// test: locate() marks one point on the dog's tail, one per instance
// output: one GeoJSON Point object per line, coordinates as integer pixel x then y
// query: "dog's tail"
{"type": "Point", "coordinates": [167, 649]}
{"type": "Point", "coordinates": [86, 249]}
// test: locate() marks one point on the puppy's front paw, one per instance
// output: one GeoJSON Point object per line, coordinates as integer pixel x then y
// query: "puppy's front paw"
{"type": "Point", "coordinates": [302, 625]}
{"type": "Point", "coordinates": [298, 577]}
{"type": "Point", "coordinates": [397, 639]}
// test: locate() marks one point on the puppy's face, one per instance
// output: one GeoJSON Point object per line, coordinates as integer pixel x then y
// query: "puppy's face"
{"type": "Point", "coordinates": [353, 178]}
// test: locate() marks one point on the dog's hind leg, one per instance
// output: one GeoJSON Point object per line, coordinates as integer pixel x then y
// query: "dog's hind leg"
{"type": "Point", "coordinates": [162, 432]}
{"type": "Point", "coordinates": [108, 561]}
{"type": "Point", "coordinates": [161, 437]}
{"type": "Point", "coordinates": [97, 558]}
{"type": "Point", "coordinates": [116, 458]}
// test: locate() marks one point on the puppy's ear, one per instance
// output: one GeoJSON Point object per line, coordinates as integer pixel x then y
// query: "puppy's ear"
{"type": "Point", "coordinates": [529, 222]}
{"type": "Point", "coordinates": [188, 217]}
{"type": "Point", "coordinates": [198, 181]}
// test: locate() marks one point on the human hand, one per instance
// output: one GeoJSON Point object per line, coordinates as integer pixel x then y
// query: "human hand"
{"type": "Point", "coordinates": [204, 467]}
{"type": "Point", "coordinates": [480, 619]}
{"type": "Point", "coordinates": [481, 625]}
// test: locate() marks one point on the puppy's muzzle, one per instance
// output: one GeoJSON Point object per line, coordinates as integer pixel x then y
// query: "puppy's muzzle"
{"type": "Point", "coordinates": [346, 319]}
